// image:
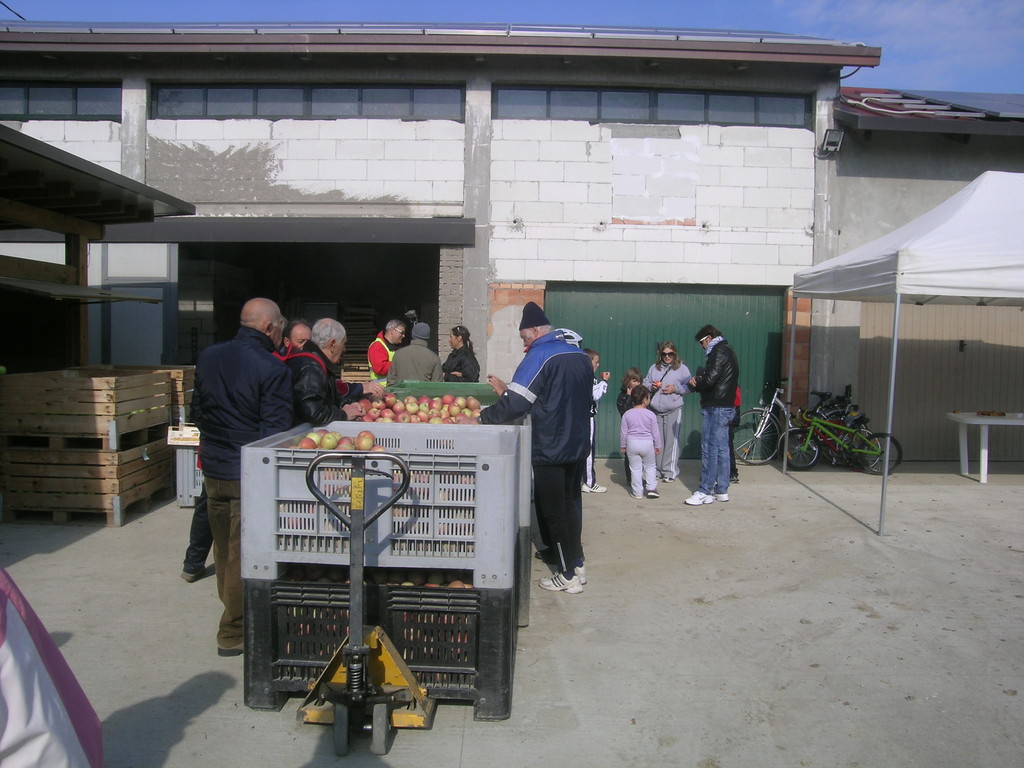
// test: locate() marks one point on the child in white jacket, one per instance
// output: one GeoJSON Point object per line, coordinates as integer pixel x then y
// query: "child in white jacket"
{"type": "Point", "coordinates": [640, 440]}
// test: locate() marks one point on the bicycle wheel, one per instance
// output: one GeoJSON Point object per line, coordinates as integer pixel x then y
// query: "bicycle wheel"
{"type": "Point", "coordinates": [870, 452]}
{"type": "Point", "coordinates": [804, 450]}
{"type": "Point", "coordinates": [756, 438]}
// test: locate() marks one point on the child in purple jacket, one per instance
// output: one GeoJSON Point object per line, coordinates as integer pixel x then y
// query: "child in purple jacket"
{"type": "Point", "coordinates": [640, 440]}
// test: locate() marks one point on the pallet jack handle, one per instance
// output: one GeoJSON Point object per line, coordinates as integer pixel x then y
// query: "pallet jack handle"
{"type": "Point", "coordinates": [357, 652]}
{"type": "Point", "coordinates": [360, 460]}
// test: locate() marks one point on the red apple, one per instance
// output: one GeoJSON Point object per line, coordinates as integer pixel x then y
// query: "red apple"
{"type": "Point", "coordinates": [472, 403]}
{"type": "Point", "coordinates": [404, 418]}
{"type": "Point", "coordinates": [423, 416]}
{"type": "Point", "coordinates": [364, 440]}
{"type": "Point", "coordinates": [412, 408]}
{"type": "Point", "coordinates": [306, 443]}
{"type": "Point", "coordinates": [460, 401]}
{"type": "Point", "coordinates": [387, 413]}
{"type": "Point", "coordinates": [447, 399]}
{"type": "Point", "coordinates": [454, 409]}
{"type": "Point", "coordinates": [345, 443]}
{"type": "Point", "coordinates": [315, 437]}
{"type": "Point", "coordinates": [390, 399]}
{"type": "Point", "coordinates": [398, 407]}
{"type": "Point", "coordinates": [435, 403]}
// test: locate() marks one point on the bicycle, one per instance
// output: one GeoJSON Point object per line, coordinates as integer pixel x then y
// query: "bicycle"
{"type": "Point", "coordinates": [845, 441]}
{"type": "Point", "coordinates": [758, 430]}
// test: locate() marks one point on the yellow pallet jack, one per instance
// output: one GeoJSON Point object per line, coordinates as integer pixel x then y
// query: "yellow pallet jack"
{"type": "Point", "coordinates": [367, 676]}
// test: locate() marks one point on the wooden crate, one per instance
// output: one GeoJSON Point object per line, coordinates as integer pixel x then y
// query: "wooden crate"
{"type": "Point", "coordinates": [182, 380]}
{"type": "Point", "coordinates": [83, 440]}
{"type": "Point", "coordinates": [76, 403]}
{"type": "Point", "coordinates": [62, 482]}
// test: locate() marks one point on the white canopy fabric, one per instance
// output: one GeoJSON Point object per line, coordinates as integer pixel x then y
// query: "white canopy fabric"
{"type": "Point", "coordinates": [969, 249]}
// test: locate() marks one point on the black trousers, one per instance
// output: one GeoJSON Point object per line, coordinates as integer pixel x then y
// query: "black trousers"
{"type": "Point", "coordinates": [559, 500]}
{"type": "Point", "coordinates": [200, 537]}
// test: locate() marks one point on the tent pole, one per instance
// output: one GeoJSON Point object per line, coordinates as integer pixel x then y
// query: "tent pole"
{"type": "Point", "coordinates": [789, 382]}
{"type": "Point", "coordinates": [888, 416]}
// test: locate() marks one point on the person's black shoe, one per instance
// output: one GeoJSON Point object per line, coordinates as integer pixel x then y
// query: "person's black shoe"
{"type": "Point", "coordinates": [234, 650]}
{"type": "Point", "coordinates": [545, 556]}
{"type": "Point", "coordinates": [193, 576]}
{"type": "Point", "coordinates": [734, 479]}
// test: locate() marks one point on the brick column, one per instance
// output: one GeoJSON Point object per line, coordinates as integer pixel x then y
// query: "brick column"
{"type": "Point", "coordinates": [506, 300]}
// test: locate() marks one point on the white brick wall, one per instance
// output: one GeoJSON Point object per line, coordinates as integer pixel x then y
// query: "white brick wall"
{"type": "Point", "coordinates": [748, 190]}
{"type": "Point", "coordinates": [418, 162]}
{"type": "Point", "coordinates": [98, 141]}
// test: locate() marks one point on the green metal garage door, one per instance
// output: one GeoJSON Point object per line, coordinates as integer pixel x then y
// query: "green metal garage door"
{"type": "Point", "coordinates": [624, 322]}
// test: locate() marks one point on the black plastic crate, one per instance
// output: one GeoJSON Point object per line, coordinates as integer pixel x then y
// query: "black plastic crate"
{"type": "Point", "coordinates": [459, 642]}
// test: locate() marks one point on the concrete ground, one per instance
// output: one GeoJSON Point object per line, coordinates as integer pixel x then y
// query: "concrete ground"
{"type": "Point", "coordinates": [773, 630]}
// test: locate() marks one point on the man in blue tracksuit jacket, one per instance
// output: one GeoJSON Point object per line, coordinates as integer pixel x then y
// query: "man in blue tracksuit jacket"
{"type": "Point", "coordinates": [553, 384]}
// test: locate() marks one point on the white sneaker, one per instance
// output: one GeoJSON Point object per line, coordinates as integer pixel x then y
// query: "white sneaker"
{"type": "Point", "coordinates": [635, 495]}
{"type": "Point", "coordinates": [721, 497]}
{"type": "Point", "coordinates": [581, 574]}
{"type": "Point", "coordinates": [556, 582]}
{"type": "Point", "coordinates": [699, 498]}
{"type": "Point", "coordinates": [594, 488]}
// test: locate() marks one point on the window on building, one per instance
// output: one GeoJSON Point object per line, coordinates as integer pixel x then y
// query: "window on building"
{"type": "Point", "coordinates": [322, 102]}
{"type": "Point", "coordinates": [650, 106]}
{"type": "Point", "coordinates": [59, 101]}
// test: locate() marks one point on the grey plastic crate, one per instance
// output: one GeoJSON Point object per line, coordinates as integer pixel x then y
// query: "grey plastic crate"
{"type": "Point", "coordinates": [188, 478]}
{"type": "Point", "coordinates": [467, 501]}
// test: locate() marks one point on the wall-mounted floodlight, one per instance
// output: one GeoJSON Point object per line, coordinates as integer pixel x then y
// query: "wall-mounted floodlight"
{"type": "Point", "coordinates": [832, 140]}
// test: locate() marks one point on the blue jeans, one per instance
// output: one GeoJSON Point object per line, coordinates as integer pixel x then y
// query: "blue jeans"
{"type": "Point", "coordinates": [714, 449]}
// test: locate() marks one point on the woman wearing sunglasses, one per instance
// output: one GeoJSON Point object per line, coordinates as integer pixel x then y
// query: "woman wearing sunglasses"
{"type": "Point", "coordinates": [667, 379]}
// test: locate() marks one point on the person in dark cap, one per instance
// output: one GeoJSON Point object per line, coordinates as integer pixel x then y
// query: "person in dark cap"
{"type": "Point", "coordinates": [553, 384]}
{"type": "Point", "coordinates": [417, 361]}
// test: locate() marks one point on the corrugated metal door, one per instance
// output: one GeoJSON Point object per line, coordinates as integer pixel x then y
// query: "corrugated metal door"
{"type": "Point", "coordinates": [949, 358]}
{"type": "Point", "coordinates": [625, 322]}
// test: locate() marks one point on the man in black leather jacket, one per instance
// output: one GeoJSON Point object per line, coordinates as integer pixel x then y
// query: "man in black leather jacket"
{"type": "Point", "coordinates": [716, 382]}
{"type": "Point", "coordinates": [319, 396]}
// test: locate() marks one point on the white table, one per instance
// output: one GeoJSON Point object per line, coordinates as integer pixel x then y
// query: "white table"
{"type": "Point", "coordinates": [983, 422]}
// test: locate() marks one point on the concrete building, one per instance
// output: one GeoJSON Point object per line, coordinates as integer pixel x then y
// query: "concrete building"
{"type": "Point", "coordinates": [638, 182]}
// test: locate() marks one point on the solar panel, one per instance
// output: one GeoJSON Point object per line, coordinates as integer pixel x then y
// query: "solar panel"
{"type": "Point", "coordinates": [1005, 105]}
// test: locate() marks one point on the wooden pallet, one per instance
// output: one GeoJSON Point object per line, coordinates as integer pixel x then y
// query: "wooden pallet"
{"type": "Point", "coordinates": [88, 444]}
{"type": "Point", "coordinates": [117, 508]}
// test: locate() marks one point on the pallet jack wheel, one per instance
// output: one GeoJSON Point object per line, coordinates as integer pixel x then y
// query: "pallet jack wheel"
{"type": "Point", "coordinates": [340, 730]}
{"type": "Point", "coordinates": [380, 737]}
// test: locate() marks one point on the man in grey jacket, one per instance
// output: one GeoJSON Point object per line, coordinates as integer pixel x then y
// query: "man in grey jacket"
{"type": "Point", "coordinates": [416, 362]}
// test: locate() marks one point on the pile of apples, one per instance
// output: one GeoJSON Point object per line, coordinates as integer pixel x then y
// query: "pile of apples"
{"type": "Point", "coordinates": [327, 440]}
{"type": "Point", "coordinates": [338, 574]}
{"type": "Point", "coordinates": [446, 409]}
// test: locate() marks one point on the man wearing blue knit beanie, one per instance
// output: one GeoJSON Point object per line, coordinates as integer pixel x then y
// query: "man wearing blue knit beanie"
{"type": "Point", "coordinates": [553, 384]}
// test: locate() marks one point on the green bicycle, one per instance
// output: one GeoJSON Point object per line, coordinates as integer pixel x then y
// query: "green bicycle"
{"type": "Point", "coordinates": [844, 442]}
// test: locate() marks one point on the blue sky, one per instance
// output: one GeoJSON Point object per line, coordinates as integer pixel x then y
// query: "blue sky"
{"type": "Point", "coordinates": [957, 45]}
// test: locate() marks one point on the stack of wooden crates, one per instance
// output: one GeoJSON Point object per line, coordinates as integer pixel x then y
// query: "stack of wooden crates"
{"type": "Point", "coordinates": [88, 441]}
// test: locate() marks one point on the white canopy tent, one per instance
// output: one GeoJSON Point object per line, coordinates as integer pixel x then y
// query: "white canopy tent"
{"type": "Point", "coordinates": [968, 250]}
